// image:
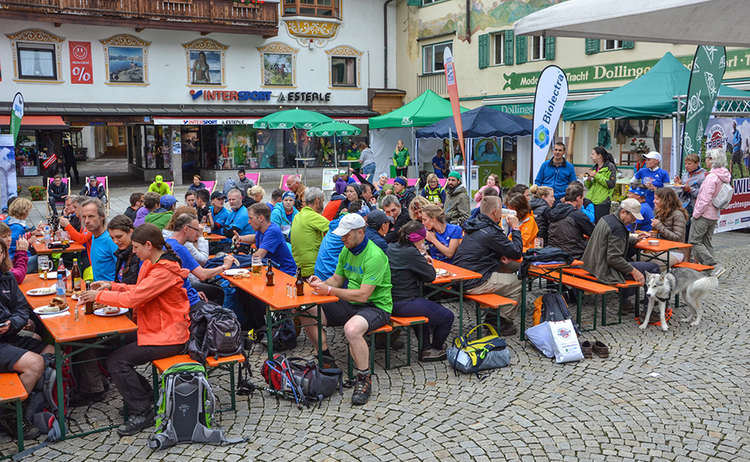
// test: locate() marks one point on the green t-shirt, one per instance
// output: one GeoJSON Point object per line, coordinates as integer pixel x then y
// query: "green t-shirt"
{"type": "Point", "coordinates": [369, 267]}
{"type": "Point", "coordinates": [161, 189]}
{"type": "Point", "coordinates": [308, 229]}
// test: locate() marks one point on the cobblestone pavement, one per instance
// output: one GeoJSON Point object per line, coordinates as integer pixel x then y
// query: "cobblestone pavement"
{"type": "Point", "coordinates": [678, 395]}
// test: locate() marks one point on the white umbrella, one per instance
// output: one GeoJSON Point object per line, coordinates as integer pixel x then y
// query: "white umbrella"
{"type": "Point", "coordinates": [705, 22]}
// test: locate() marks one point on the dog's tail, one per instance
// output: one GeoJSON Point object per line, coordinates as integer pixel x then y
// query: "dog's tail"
{"type": "Point", "coordinates": [705, 284]}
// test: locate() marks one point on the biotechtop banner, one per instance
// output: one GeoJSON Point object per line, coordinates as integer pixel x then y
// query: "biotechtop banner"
{"type": "Point", "coordinates": [551, 93]}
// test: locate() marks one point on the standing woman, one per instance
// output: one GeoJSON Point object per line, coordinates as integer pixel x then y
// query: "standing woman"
{"type": "Point", "coordinates": [367, 160]}
{"type": "Point", "coordinates": [128, 264]}
{"type": "Point", "coordinates": [601, 181]}
{"type": "Point", "coordinates": [443, 237]}
{"type": "Point", "coordinates": [160, 302]}
{"type": "Point", "coordinates": [410, 268]}
{"type": "Point", "coordinates": [669, 221]}
{"type": "Point", "coordinates": [401, 159]}
{"type": "Point", "coordinates": [493, 182]}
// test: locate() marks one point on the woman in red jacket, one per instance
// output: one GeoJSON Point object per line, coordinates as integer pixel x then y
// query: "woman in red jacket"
{"type": "Point", "coordinates": [161, 304]}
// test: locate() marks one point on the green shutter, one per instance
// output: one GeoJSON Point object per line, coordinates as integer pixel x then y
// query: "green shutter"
{"type": "Point", "coordinates": [509, 47]}
{"type": "Point", "coordinates": [592, 46]}
{"type": "Point", "coordinates": [521, 49]}
{"type": "Point", "coordinates": [549, 48]}
{"type": "Point", "coordinates": [414, 2]}
{"type": "Point", "coordinates": [628, 44]}
{"type": "Point", "coordinates": [484, 50]}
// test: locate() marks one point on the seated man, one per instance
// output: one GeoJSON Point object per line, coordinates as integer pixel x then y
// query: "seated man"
{"type": "Point", "coordinates": [136, 201]}
{"type": "Point", "coordinates": [398, 215]}
{"type": "Point", "coordinates": [486, 249]}
{"type": "Point", "coordinates": [456, 200]}
{"type": "Point", "coordinates": [268, 239]}
{"type": "Point", "coordinates": [219, 213]}
{"type": "Point", "coordinates": [378, 225]}
{"type": "Point", "coordinates": [99, 246]}
{"type": "Point", "coordinates": [201, 207]}
{"type": "Point", "coordinates": [567, 226]}
{"type": "Point", "coordinates": [57, 193]}
{"type": "Point", "coordinates": [161, 216]}
{"type": "Point", "coordinates": [190, 198]}
{"type": "Point", "coordinates": [606, 252]}
{"type": "Point", "coordinates": [308, 229]}
{"type": "Point", "coordinates": [159, 186]}
{"type": "Point", "coordinates": [647, 212]}
{"type": "Point", "coordinates": [93, 189]}
{"type": "Point", "coordinates": [364, 305]}
{"type": "Point", "coordinates": [237, 218]}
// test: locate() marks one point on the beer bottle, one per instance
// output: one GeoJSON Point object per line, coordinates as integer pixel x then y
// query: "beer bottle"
{"type": "Point", "coordinates": [75, 275]}
{"type": "Point", "coordinates": [89, 305]}
{"type": "Point", "coordinates": [269, 274]}
{"type": "Point", "coordinates": [300, 283]}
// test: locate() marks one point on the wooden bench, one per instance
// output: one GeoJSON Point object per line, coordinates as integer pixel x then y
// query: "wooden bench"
{"type": "Point", "coordinates": [386, 329]}
{"type": "Point", "coordinates": [227, 363]}
{"type": "Point", "coordinates": [628, 284]}
{"type": "Point", "coordinates": [693, 266]}
{"type": "Point", "coordinates": [490, 301]}
{"type": "Point", "coordinates": [404, 322]}
{"type": "Point", "coordinates": [12, 392]}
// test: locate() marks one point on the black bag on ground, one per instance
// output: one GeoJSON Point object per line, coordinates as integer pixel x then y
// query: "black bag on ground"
{"type": "Point", "coordinates": [214, 331]}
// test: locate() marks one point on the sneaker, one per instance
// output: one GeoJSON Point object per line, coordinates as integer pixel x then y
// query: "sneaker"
{"type": "Point", "coordinates": [136, 423]}
{"type": "Point", "coordinates": [362, 389]}
{"type": "Point", "coordinates": [328, 362]}
{"type": "Point", "coordinates": [718, 271]}
{"type": "Point", "coordinates": [432, 354]}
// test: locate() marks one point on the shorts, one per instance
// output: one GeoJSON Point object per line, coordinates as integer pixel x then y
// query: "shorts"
{"type": "Point", "coordinates": [338, 313]}
{"type": "Point", "coordinates": [13, 348]}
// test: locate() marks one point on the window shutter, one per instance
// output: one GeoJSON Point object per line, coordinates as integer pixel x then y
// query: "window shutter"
{"type": "Point", "coordinates": [549, 48]}
{"type": "Point", "coordinates": [414, 2]}
{"type": "Point", "coordinates": [592, 46]}
{"type": "Point", "coordinates": [484, 50]}
{"type": "Point", "coordinates": [628, 44]}
{"type": "Point", "coordinates": [509, 47]}
{"type": "Point", "coordinates": [521, 49]}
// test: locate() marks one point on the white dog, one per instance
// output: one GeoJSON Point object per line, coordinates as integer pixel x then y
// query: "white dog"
{"type": "Point", "coordinates": [691, 285]}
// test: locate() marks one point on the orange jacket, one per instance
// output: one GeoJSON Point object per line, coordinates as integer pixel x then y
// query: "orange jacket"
{"type": "Point", "coordinates": [159, 300]}
{"type": "Point", "coordinates": [82, 237]}
{"type": "Point", "coordinates": [529, 231]}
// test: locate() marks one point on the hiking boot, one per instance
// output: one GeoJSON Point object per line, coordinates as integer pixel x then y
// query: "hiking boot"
{"type": "Point", "coordinates": [432, 354]}
{"type": "Point", "coordinates": [84, 399]}
{"type": "Point", "coordinates": [362, 389]}
{"type": "Point", "coordinates": [136, 423]}
{"type": "Point", "coordinates": [627, 307]}
{"type": "Point", "coordinates": [507, 328]}
{"type": "Point", "coordinates": [328, 362]}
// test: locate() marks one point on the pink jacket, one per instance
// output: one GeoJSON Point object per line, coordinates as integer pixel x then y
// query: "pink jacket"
{"type": "Point", "coordinates": [707, 192]}
{"type": "Point", "coordinates": [20, 262]}
{"type": "Point", "coordinates": [478, 195]}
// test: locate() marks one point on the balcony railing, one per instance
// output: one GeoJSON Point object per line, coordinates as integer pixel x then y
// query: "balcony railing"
{"type": "Point", "coordinates": [198, 15]}
{"type": "Point", "coordinates": [434, 82]}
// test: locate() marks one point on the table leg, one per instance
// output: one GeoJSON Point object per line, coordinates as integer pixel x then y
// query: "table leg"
{"type": "Point", "coordinates": [60, 397]}
{"type": "Point", "coordinates": [269, 332]}
{"type": "Point", "coordinates": [523, 308]}
{"type": "Point", "coordinates": [461, 307]}
{"type": "Point", "coordinates": [579, 308]}
{"type": "Point", "coordinates": [19, 424]}
{"type": "Point", "coordinates": [319, 321]}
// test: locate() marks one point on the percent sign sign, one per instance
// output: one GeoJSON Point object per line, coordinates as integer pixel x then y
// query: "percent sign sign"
{"type": "Point", "coordinates": [81, 74]}
{"type": "Point", "coordinates": [80, 62]}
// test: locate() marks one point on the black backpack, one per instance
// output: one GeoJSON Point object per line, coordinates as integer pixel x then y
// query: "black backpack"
{"type": "Point", "coordinates": [552, 307]}
{"type": "Point", "coordinates": [214, 331]}
{"type": "Point", "coordinates": [300, 379]}
{"type": "Point", "coordinates": [545, 255]}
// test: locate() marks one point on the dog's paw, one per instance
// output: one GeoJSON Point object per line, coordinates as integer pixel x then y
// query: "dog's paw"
{"type": "Point", "coordinates": [664, 327]}
{"type": "Point", "coordinates": [695, 323]}
{"type": "Point", "coordinates": [643, 326]}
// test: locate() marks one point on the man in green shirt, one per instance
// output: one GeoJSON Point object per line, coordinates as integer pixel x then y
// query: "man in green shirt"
{"type": "Point", "coordinates": [308, 229]}
{"type": "Point", "coordinates": [159, 186]}
{"type": "Point", "coordinates": [364, 304]}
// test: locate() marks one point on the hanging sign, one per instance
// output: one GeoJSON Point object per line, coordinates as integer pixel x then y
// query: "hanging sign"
{"type": "Point", "coordinates": [81, 70]}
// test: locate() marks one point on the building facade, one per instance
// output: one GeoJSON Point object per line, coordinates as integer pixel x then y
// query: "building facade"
{"type": "Point", "coordinates": [180, 97]}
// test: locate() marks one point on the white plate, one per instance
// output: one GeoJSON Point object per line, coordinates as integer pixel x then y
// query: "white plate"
{"type": "Point", "coordinates": [100, 312]}
{"type": "Point", "coordinates": [441, 273]}
{"type": "Point", "coordinates": [40, 291]}
{"type": "Point", "coordinates": [53, 274]}
{"type": "Point", "coordinates": [236, 271]}
{"type": "Point", "coordinates": [40, 310]}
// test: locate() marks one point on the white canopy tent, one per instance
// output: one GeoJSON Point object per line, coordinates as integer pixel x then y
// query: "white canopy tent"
{"type": "Point", "coordinates": [702, 22]}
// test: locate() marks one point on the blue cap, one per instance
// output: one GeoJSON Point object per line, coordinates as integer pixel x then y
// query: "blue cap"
{"type": "Point", "coordinates": [167, 201]}
{"type": "Point", "coordinates": [288, 194]}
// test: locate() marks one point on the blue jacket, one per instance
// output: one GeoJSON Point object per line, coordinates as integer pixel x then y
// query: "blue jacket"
{"type": "Point", "coordinates": [376, 238]}
{"type": "Point", "coordinates": [328, 254]}
{"type": "Point", "coordinates": [240, 220]}
{"type": "Point", "coordinates": [279, 217]}
{"type": "Point", "coordinates": [220, 219]}
{"type": "Point", "coordinates": [658, 178]}
{"type": "Point", "coordinates": [558, 178]}
{"type": "Point", "coordinates": [17, 229]}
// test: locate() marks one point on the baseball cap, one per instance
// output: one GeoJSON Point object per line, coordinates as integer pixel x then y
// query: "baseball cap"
{"type": "Point", "coordinates": [653, 155]}
{"type": "Point", "coordinates": [217, 195]}
{"type": "Point", "coordinates": [349, 222]}
{"type": "Point", "coordinates": [632, 206]}
{"type": "Point", "coordinates": [158, 179]}
{"type": "Point", "coordinates": [167, 201]}
{"type": "Point", "coordinates": [376, 218]}
{"type": "Point", "coordinates": [639, 191]}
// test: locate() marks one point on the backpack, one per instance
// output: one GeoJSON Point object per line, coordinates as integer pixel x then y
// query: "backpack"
{"type": "Point", "coordinates": [551, 307]}
{"type": "Point", "coordinates": [724, 196]}
{"type": "Point", "coordinates": [214, 331]}
{"type": "Point", "coordinates": [41, 407]}
{"type": "Point", "coordinates": [300, 379]}
{"type": "Point", "coordinates": [543, 255]}
{"type": "Point", "coordinates": [472, 356]}
{"type": "Point", "coordinates": [185, 410]}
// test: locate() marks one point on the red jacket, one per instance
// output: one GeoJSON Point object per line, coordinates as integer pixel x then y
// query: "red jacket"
{"type": "Point", "coordinates": [158, 299]}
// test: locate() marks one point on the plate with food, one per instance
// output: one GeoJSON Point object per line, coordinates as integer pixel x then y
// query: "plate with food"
{"type": "Point", "coordinates": [236, 271]}
{"type": "Point", "coordinates": [442, 273]}
{"type": "Point", "coordinates": [110, 311]}
{"type": "Point", "coordinates": [41, 291]}
{"type": "Point", "coordinates": [56, 305]}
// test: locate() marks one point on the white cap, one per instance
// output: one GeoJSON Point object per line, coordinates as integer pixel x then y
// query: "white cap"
{"type": "Point", "coordinates": [632, 206]}
{"type": "Point", "coordinates": [349, 222]}
{"type": "Point", "coordinates": [653, 155]}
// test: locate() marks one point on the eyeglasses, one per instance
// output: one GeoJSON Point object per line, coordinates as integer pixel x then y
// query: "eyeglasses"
{"type": "Point", "coordinates": [195, 229]}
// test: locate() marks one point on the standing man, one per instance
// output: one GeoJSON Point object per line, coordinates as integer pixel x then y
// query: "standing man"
{"type": "Point", "coordinates": [652, 176]}
{"type": "Point", "coordinates": [242, 183]}
{"type": "Point", "coordinates": [308, 229]}
{"type": "Point", "coordinates": [456, 200]}
{"type": "Point", "coordinates": [362, 282]}
{"type": "Point", "coordinates": [556, 173]}
{"type": "Point", "coordinates": [295, 185]}
{"type": "Point", "coordinates": [69, 159]}
{"type": "Point", "coordinates": [99, 246]}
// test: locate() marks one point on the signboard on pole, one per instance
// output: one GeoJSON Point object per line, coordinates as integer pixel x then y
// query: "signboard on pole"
{"type": "Point", "coordinates": [16, 114]}
{"type": "Point", "coordinates": [707, 73]}
{"type": "Point", "coordinates": [7, 168]}
{"type": "Point", "coordinates": [551, 93]}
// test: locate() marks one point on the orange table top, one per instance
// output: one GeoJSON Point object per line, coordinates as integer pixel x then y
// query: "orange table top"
{"type": "Point", "coordinates": [214, 237]}
{"type": "Point", "coordinates": [275, 296]}
{"type": "Point", "coordinates": [66, 328]}
{"type": "Point", "coordinates": [663, 246]}
{"type": "Point", "coordinates": [41, 248]}
{"type": "Point", "coordinates": [12, 388]}
{"type": "Point", "coordinates": [457, 273]}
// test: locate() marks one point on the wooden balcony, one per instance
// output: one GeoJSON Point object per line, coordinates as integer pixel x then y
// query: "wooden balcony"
{"type": "Point", "coordinates": [194, 15]}
{"type": "Point", "coordinates": [434, 82]}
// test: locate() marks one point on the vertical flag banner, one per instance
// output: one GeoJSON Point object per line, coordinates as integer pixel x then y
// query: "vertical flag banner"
{"type": "Point", "coordinates": [709, 64]}
{"type": "Point", "coordinates": [551, 93]}
{"type": "Point", "coordinates": [81, 69]}
{"type": "Point", "coordinates": [452, 85]}
{"type": "Point", "coordinates": [16, 114]}
{"type": "Point", "coordinates": [7, 168]}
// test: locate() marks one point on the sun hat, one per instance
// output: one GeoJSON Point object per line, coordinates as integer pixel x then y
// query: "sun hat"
{"type": "Point", "coordinates": [349, 222]}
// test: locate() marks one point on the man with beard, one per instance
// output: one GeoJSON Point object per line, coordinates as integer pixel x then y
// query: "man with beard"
{"type": "Point", "coordinates": [456, 200]}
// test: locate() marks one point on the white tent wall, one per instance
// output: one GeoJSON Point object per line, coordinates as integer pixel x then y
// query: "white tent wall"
{"type": "Point", "coordinates": [383, 142]}
{"type": "Point", "coordinates": [523, 156]}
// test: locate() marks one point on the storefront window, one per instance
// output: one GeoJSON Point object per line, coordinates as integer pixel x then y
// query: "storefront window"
{"type": "Point", "coordinates": [27, 156]}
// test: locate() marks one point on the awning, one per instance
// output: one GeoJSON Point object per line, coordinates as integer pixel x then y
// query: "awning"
{"type": "Point", "coordinates": [37, 121]}
{"type": "Point", "coordinates": [235, 121]}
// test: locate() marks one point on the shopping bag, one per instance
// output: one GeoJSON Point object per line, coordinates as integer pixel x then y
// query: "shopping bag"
{"type": "Point", "coordinates": [565, 341]}
{"type": "Point", "coordinates": [541, 337]}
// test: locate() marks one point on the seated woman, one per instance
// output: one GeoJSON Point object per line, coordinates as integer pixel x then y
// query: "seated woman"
{"type": "Point", "coordinates": [416, 206]}
{"type": "Point", "coordinates": [128, 265]}
{"type": "Point", "coordinates": [410, 268]}
{"type": "Point", "coordinates": [21, 258]}
{"type": "Point", "coordinates": [493, 182]}
{"type": "Point", "coordinates": [352, 193]}
{"type": "Point", "coordinates": [432, 190]}
{"type": "Point", "coordinates": [161, 304]}
{"type": "Point", "coordinates": [670, 220]}
{"type": "Point", "coordinates": [18, 212]}
{"type": "Point", "coordinates": [527, 223]}
{"type": "Point", "coordinates": [284, 212]}
{"type": "Point", "coordinates": [443, 238]}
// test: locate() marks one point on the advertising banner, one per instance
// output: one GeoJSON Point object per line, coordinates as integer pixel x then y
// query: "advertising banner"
{"type": "Point", "coordinates": [733, 135]}
{"type": "Point", "coordinates": [551, 93]}
{"type": "Point", "coordinates": [707, 73]}
{"type": "Point", "coordinates": [16, 114]}
{"type": "Point", "coordinates": [81, 70]}
{"type": "Point", "coordinates": [7, 168]}
{"type": "Point", "coordinates": [452, 86]}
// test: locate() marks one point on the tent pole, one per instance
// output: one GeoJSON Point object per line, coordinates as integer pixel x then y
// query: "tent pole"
{"type": "Point", "coordinates": [335, 155]}
{"type": "Point", "coordinates": [416, 153]}
{"type": "Point", "coordinates": [674, 169]}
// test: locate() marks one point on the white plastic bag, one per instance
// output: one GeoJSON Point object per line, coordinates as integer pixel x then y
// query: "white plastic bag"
{"type": "Point", "coordinates": [565, 341]}
{"type": "Point", "coordinates": [541, 337]}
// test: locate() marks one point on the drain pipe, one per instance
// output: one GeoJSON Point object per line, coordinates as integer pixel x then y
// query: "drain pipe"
{"type": "Point", "coordinates": [385, 43]}
{"type": "Point", "coordinates": [468, 21]}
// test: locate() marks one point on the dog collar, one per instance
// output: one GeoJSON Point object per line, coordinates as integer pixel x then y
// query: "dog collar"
{"type": "Point", "coordinates": [663, 300]}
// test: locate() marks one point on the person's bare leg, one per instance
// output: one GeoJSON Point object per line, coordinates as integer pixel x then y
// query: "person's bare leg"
{"type": "Point", "coordinates": [355, 330]}
{"type": "Point", "coordinates": [311, 329]}
{"type": "Point", "coordinates": [30, 368]}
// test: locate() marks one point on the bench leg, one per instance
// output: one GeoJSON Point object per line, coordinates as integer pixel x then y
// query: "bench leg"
{"type": "Point", "coordinates": [595, 311]}
{"type": "Point", "coordinates": [388, 351]}
{"type": "Point", "coordinates": [408, 346]}
{"type": "Point", "coordinates": [350, 364]}
{"type": "Point", "coordinates": [155, 381]}
{"type": "Point", "coordinates": [579, 308]}
{"type": "Point", "coordinates": [420, 340]}
{"type": "Point", "coordinates": [19, 424]}
{"type": "Point", "coordinates": [461, 307]}
{"type": "Point", "coordinates": [232, 387]}
{"type": "Point", "coordinates": [523, 309]}
{"type": "Point", "coordinates": [372, 353]}
{"type": "Point", "coordinates": [604, 312]}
